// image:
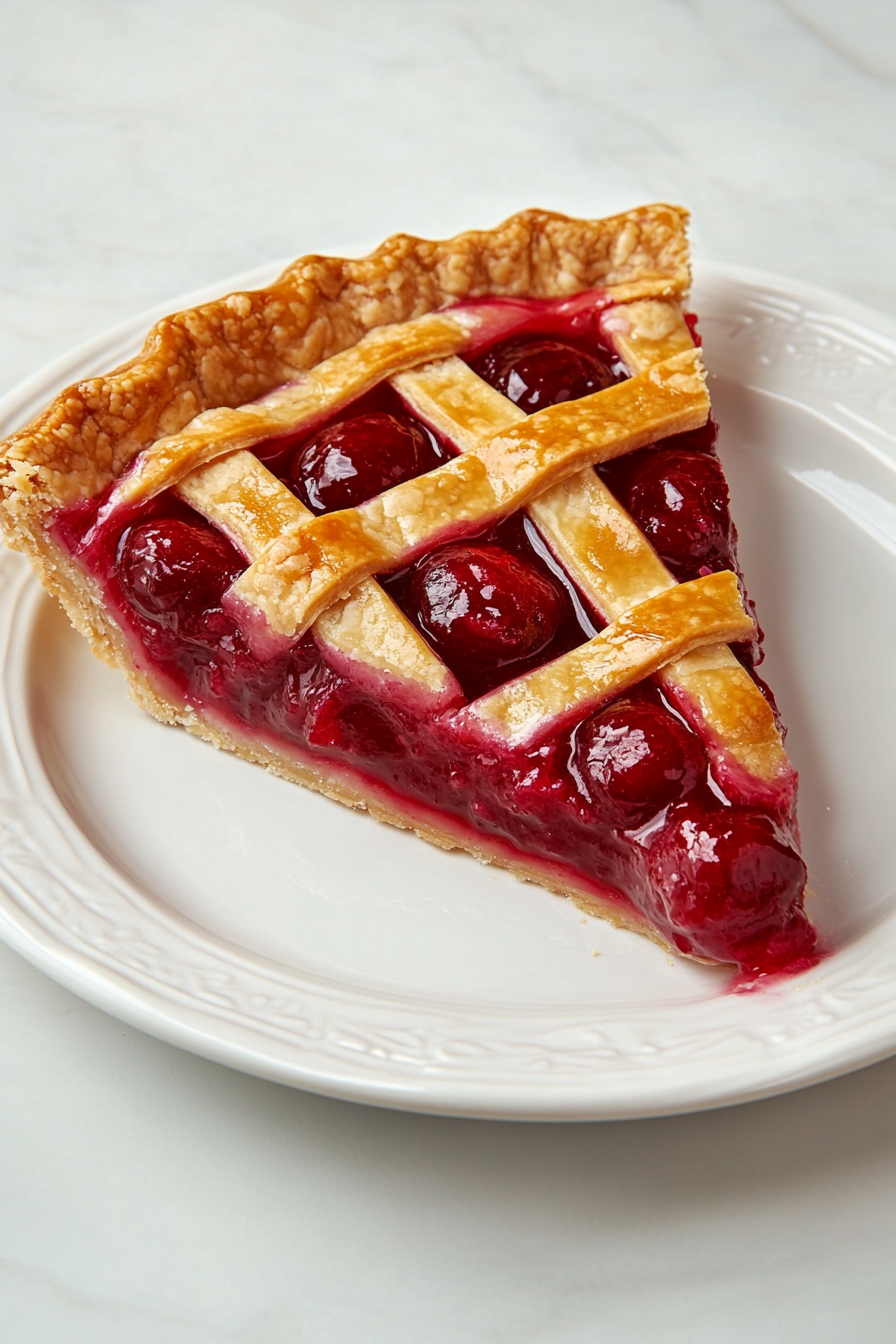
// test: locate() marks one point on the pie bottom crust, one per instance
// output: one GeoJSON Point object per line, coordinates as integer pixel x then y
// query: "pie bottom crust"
{"type": "Point", "coordinates": [83, 605]}
{"type": "Point", "coordinates": [348, 789]}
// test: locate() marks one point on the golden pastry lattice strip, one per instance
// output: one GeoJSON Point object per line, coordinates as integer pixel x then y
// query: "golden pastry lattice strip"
{"type": "Point", "coordinates": [646, 332]}
{"type": "Point", "coordinates": [338, 380]}
{"type": "Point", "coordinates": [597, 542]}
{"type": "Point", "coordinates": [239, 495]}
{"type": "Point", "coordinates": [312, 565]}
{"type": "Point", "coordinates": [649, 330]}
{"type": "Point", "coordinates": [708, 686]}
{"type": "Point", "coordinates": [681, 619]}
{"type": "Point", "coordinates": [604, 551]}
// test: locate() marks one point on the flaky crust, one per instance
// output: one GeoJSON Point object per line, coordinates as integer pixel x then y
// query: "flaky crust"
{"type": "Point", "coordinates": [242, 346]}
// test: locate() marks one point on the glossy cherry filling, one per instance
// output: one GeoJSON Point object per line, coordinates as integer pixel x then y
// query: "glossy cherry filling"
{"type": "Point", "coordinates": [635, 758]}
{"type": "Point", "coordinates": [361, 456]}
{"type": "Point", "coordinates": [481, 604]}
{"type": "Point", "coordinates": [369, 446]}
{"type": "Point", "coordinates": [624, 803]}
{"type": "Point", "coordinates": [535, 371]}
{"type": "Point", "coordinates": [678, 495]}
{"type": "Point", "coordinates": [493, 606]}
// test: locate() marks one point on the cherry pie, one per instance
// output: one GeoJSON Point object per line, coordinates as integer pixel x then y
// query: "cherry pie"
{"type": "Point", "coordinates": [442, 533]}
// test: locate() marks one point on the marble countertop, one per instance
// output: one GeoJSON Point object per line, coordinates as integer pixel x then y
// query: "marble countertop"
{"type": "Point", "coordinates": [149, 1197]}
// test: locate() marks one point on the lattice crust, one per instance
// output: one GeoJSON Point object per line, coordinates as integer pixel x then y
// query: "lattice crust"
{"type": "Point", "coordinates": [241, 497]}
{"type": "Point", "coordinates": [593, 537]}
{"type": "Point", "coordinates": [380, 355]}
{"type": "Point", "coordinates": [313, 564]}
{"type": "Point", "coordinates": [603, 550]}
{"type": "Point", "coordinates": [239, 348]}
{"type": "Point", "coordinates": [331, 384]}
{"type": "Point", "coordinates": [638, 644]}
{"type": "Point", "coordinates": [596, 541]}
{"type": "Point", "coordinates": [251, 505]}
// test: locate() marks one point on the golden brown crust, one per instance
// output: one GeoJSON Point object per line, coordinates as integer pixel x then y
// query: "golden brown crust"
{"type": "Point", "coordinates": [326, 779]}
{"type": "Point", "coordinates": [227, 353]}
{"type": "Point", "coordinates": [321, 559]}
{"type": "Point", "coordinates": [649, 636]}
{"type": "Point", "coordinates": [240, 347]}
{"type": "Point", "coordinates": [293, 406]}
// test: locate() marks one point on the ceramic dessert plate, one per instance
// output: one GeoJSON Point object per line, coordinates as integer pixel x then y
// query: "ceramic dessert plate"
{"type": "Point", "coordinates": [221, 909]}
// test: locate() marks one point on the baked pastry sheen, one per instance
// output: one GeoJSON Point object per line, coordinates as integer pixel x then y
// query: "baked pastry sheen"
{"type": "Point", "coordinates": [442, 533]}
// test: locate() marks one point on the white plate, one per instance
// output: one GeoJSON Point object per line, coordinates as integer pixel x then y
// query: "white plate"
{"type": "Point", "coordinates": [244, 919]}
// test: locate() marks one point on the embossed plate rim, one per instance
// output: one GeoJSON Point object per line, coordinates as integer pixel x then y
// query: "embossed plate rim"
{"type": "Point", "coordinates": [69, 912]}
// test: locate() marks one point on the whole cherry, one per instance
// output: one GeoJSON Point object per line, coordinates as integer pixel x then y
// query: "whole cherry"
{"type": "Point", "coordinates": [480, 604]}
{"type": "Point", "coordinates": [679, 498]}
{"type": "Point", "coordinates": [726, 881]}
{"type": "Point", "coordinates": [536, 372]}
{"type": "Point", "coordinates": [634, 759]}
{"type": "Point", "coordinates": [355, 459]}
{"type": "Point", "coordinates": [174, 572]}
{"type": "Point", "coordinates": [354, 726]}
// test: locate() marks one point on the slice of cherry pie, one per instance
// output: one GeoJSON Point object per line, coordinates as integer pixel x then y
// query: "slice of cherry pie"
{"type": "Point", "coordinates": [443, 533]}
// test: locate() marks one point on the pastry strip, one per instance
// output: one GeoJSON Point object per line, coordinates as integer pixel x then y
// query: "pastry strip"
{"type": "Point", "coordinates": [646, 332]}
{"type": "Point", "coordinates": [297, 405]}
{"type": "Point", "coordinates": [601, 547]}
{"type": "Point", "coordinates": [241, 497]}
{"type": "Point", "coordinates": [651, 634]}
{"type": "Point", "coordinates": [313, 564]}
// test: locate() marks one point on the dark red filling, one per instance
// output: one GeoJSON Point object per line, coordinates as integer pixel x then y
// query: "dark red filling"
{"type": "Point", "coordinates": [730, 878]}
{"type": "Point", "coordinates": [482, 605]}
{"type": "Point", "coordinates": [677, 493]}
{"type": "Point", "coordinates": [624, 801]}
{"type": "Point", "coordinates": [680, 498]}
{"type": "Point", "coordinates": [372, 444]}
{"type": "Point", "coordinates": [357, 458]}
{"type": "Point", "coordinates": [493, 607]}
{"type": "Point", "coordinates": [635, 758]}
{"type": "Point", "coordinates": [537, 371]}
{"type": "Point", "coordinates": [173, 572]}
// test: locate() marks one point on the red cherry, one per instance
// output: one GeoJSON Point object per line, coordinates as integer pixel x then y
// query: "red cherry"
{"type": "Point", "coordinates": [356, 459]}
{"type": "Point", "coordinates": [679, 498]}
{"type": "Point", "coordinates": [355, 727]}
{"type": "Point", "coordinates": [481, 604]}
{"type": "Point", "coordinates": [175, 572]}
{"type": "Point", "coordinates": [727, 882]}
{"type": "Point", "coordinates": [636, 758]}
{"type": "Point", "coordinates": [539, 372]}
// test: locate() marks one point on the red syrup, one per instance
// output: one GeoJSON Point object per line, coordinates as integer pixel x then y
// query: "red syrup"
{"type": "Point", "coordinates": [531, 612]}
{"type": "Point", "coordinates": [329, 464]}
{"type": "Point", "coordinates": [361, 455]}
{"type": "Point", "coordinates": [622, 803]}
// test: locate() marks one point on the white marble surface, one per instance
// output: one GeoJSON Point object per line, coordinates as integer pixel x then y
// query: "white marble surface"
{"type": "Point", "coordinates": [148, 1196]}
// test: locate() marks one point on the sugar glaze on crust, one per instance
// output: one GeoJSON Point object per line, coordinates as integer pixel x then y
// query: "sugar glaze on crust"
{"type": "Point", "coordinates": [241, 347]}
{"type": "Point", "coordinates": [245, 346]}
